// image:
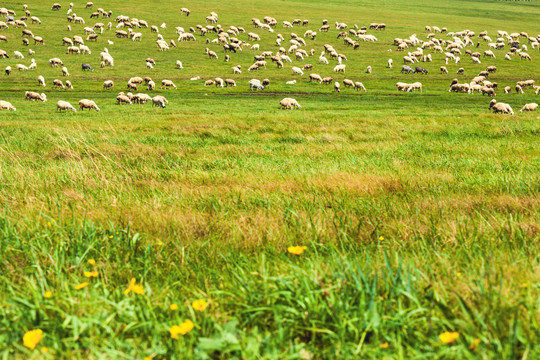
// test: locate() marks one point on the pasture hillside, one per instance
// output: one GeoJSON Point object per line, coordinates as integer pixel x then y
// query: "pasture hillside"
{"type": "Point", "coordinates": [418, 211]}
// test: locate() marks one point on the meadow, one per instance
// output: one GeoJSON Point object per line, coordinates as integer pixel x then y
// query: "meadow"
{"type": "Point", "coordinates": [419, 212]}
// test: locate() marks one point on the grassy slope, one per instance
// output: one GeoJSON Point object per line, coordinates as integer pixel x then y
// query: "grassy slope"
{"type": "Point", "coordinates": [452, 189]}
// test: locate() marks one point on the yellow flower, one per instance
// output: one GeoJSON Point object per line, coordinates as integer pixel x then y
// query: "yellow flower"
{"type": "Point", "coordinates": [297, 250]}
{"type": "Point", "coordinates": [45, 349]}
{"type": "Point", "coordinates": [449, 337]}
{"type": "Point", "coordinates": [92, 262]}
{"type": "Point", "coordinates": [381, 238]}
{"type": "Point", "coordinates": [48, 294]}
{"type": "Point", "coordinates": [384, 345]}
{"type": "Point", "coordinates": [32, 338]}
{"type": "Point", "coordinates": [173, 307]}
{"type": "Point", "coordinates": [137, 289]}
{"type": "Point", "coordinates": [474, 344]}
{"type": "Point", "coordinates": [81, 286]}
{"type": "Point", "coordinates": [160, 243]}
{"type": "Point", "coordinates": [90, 274]}
{"type": "Point", "coordinates": [199, 305]}
{"type": "Point", "coordinates": [110, 236]}
{"type": "Point", "coordinates": [523, 285]}
{"type": "Point", "coordinates": [147, 358]}
{"type": "Point", "coordinates": [181, 329]}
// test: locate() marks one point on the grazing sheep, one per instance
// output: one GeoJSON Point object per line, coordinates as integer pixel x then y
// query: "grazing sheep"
{"type": "Point", "coordinates": [123, 99]}
{"type": "Point", "coordinates": [4, 105]}
{"type": "Point", "coordinates": [58, 83]}
{"type": "Point", "coordinates": [529, 107]}
{"type": "Point", "coordinates": [65, 71]}
{"type": "Point", "coordinates": [444, 70]}
{"type": "Point", "coordinates": [151, 85]}
{"type": "Point", "coordinates": [291, 82]}
{"type": "Point", "coordinates": [337, 87]}
{"type": "Point", "coordinates": [421, 70]}
{"type": "Point", "coordinates": [8, 70]}
{"type": "Point", "coordinates": [405, 69]}
{"type": "Point", "coordinates": [500, 107]}
{"type": "Point", "coordinates": [460, 71]}
{"type": "Point", "coordinates": [368, 70]}
{"type": "Point", "coordinates": [160, 101]}
{"type": "Point", "coordinates": [390, 63]}
{"type": "Point", "coordinates": [18, 55]}
{"type": "Point", "coordinates": [297, 70]}
{"type": "Point", "coordinates": [166, 84]}
{"type": "Point", "coordinates": [359, 86]}
{"type": "Point", "coordinates": [289, 103]}
{"type": "Point", "coordinates": [41, 80]}
{"type": "Point", "coordinates": [68, 85]}
{"type": "Point", "coordinates": [315, 77]}
{"type": "Point", "coordinates": [348, 83]}
{"type": "Point", "coordinates": [230, 82]}
{"type": "Point", "coordinates": [33, 96]}
{"type": "Point", "coordinates": [109, 84]}
{"type": "Point", "coordinates": [507, 89]}
{"type": "Point", "coordinates": [179, 64]}
{"type": "Point", "coordinates": [88, 104]}
{"type": "Point", "coordinates": [339, 68]}
{"type": "Point", "coordinates": [64, 106]}
{"type": "Point", "coordinates": [519, 89]}
{"type": "Point", "coordinates": [87, 67]}
{"type": "Point", "coordinates": [255, 84]}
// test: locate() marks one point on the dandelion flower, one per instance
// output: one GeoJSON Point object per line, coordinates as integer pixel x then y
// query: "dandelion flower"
{"type": "Point", "coordinates": [81, 286]}
{"type": "Point", "coordinates": [448, 337]}
{"type": "Point", "coordinates": [32, 338]}
{"type": "Point", "coordinates": [160, 243]}
{"type": "Point", "coordinates": [384, 345]}
{"type": "Point", "coordinates": [48, 294]}
{"type": "Point", "coordinates": [474, 344]}
{"type": "Point", "coordinates": [90, 274]}
{"type": "Point", "coordinates": [110, 236]}
{"type": "Point", "coordinates": [381, 238]}
{"type": "Point", "coordinates": [173, 307]}
{"type": "Point", "coordinates": [181, 329]}
{"type": "Point", "coordinates": [199, 305]}
{"type": "Point", "coordinates": [92, 262]}
{"type": "Point", "coordinates": [137, 289]}
{"type": "Point", "coordinates": [44, 349]}
{"type": "Point", "coordinates": [297, 250]}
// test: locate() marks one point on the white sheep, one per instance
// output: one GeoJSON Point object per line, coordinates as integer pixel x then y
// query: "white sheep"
{"type": "Point", "coordinates": [179, 64]}
{"type": "Point", "coordinates": [64, 106]}
{"type": "Point", "coordinates": [166, 84]}
{"type": "Point", "coordinates": [297, 70]}
{"type": "Point", "coordinates": [109, 84]}
{"type": "Point", "coordinates": [291, 82]}
{"type": "Point", "coordinates": [41, 80]}
{"type": "Point", "coordinates": [337, 87]}
{"type": "Point", "coordinates": [390, 63]}
{"type": "Point", "coordinates": [339, 68]}
{"type": "Point", "coordinates": [529, 107]}
{"type": "Point", "coordinates": [88, 104]}
{"type": "Point", "coordinates": [18, 55]}
{"type": "Point", "coordinates": [289, 103]}
{"type": "Point", "coordinates": [4, 105]}
{"type": "Point", "coordinates": [65, 71]}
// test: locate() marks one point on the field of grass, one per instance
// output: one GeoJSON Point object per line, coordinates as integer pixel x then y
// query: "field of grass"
{"type": "Point", "coordinates": [420, 212]}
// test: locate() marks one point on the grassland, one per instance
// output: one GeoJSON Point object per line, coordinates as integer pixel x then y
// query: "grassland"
{"type": "Point", "coordinates": [420, 212]}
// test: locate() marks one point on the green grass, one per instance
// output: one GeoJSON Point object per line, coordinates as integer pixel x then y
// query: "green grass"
{"type": "Point", "coordinates": [420, 212]}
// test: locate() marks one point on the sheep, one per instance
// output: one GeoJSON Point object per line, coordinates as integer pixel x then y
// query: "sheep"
{"type": "Point", "coordinates": [421, 70]}
{"type": "Point", "coordinates": [179, 64]}
{"type": "Point", "coordinates": [507, 89]}
{"type": "Point", "coordinates": [390, 63]}
{"type": "Point", "coordinates": [315, 77]}
{"type": "Point", "coordinates": [209, 83]}
{"type": "Point", "coordinates": [141, 98]}
{"type": "Point", "coordinates": [166, 84]}
{"type": "Point", "coordinates": [69, 85]}
{"type": "Point", "coordinates": [151, 85]}
{"type": "Point", "coordinates": [339, 68]}
{"type": "Point", "coordinates": [444, 70]}
{"type": "Point", "coordinates": [297, 70]}
{"type": "Point", "coordinates": [65, 71]}
{"type": "Point", "coordinates": [33, 96]}
{"type": "Point", "coordinates": [359, 86]}
{"type": "Point", "coordinates": [18, 55]}
{"type": "Point", "coordinates": [291, 82]}
{"type": "Point", "coordinates": [237, 69]}
{"type": "Point", "coordinates": [368, 70]}
{"type": "Point", "coordinates": [87, 67]}
{"type": "Point", "coordinates": [160, 101]}
{"type": "Point", "coordinates": [65, 106]}
{"type": "Point", "coordinates": [487, 90]}
{"type": "Point", "coordinates": [41, 80]}
{"type": "Point", "coordinates": [88, 104]}
{"type": "Point", "coordinates": [327, 80]}
{"type": "Point", "coordinates": [289, 103]}
{"type": "Point", "coordinates": [219, 82]}
{"type": "Point", "coordinates": [8, 70]}
{"type": "Point", "coordinates": [525, 56]}
{"type": "Point", "coordinates": [123, 99]}
{"type": "Point", "coordinates": [230, 82]}
{"type": "Point", "coordinates": [529, 107]}
{"type": "Point", "coordinates": [255, 84]}
{"type": "Point", "coordinates": [500, 107]}
{"type": "Point", "coordinates": [337, 87]}
{"type": "Point", "coordinates": [4, 105]}
{"type": "Point", "coordinates": [109, 84]}
{"type": "Point", "coordinates": [348, 83]}
{"type": "Point", "coordinates": [519, 89]}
